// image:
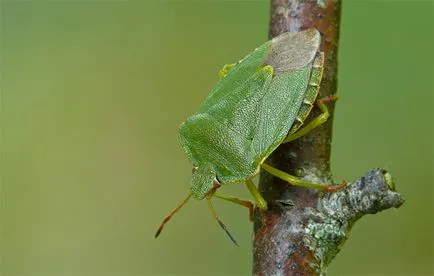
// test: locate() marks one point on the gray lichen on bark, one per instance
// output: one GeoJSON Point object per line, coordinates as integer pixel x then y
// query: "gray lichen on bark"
{"type": "Point", "coordinates": [301, 238]}
{"type": "Point", "coordinates": [336, 213]}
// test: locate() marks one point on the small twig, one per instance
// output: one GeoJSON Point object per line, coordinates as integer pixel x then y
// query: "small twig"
{"type": "Point", "coordinates": [304, 229]}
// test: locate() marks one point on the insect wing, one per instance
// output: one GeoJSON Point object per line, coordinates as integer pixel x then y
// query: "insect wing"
{"type": "Point", "coordinates": [278, 110]}
{"type": "Point", "coordinates": [291, 55]}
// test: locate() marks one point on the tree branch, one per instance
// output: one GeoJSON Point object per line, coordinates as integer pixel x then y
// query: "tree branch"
{"type": "Point", "coordinates": [304, 229]}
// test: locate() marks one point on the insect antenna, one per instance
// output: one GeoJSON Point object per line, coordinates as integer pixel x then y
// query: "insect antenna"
{"type": "Point", "coordinates": [171, 215]}
{"type": "Point", "coordinates": [222, 225]}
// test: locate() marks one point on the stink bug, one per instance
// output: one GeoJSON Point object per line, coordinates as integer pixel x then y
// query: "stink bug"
{"type": "Point", "coordinates": [259, 103]}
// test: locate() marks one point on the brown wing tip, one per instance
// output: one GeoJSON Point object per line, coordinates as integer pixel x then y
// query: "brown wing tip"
{"type": "Point", "coordinates": [293, 50]}
{"type": "Point", "coordinates": [311, 33]}
{"type": "Point", "coordinates": [308, 36]}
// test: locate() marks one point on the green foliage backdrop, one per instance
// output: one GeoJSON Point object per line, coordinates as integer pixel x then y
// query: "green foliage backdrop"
{"type": "Point", "coordinates": [93, 93]}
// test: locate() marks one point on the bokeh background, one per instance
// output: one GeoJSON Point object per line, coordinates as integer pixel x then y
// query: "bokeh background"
{"type": "Point", "coordinates": [93, 93]}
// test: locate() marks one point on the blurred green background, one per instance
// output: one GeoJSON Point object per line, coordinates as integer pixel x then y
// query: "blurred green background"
{"type": "Point", "coordinates": [93, 93]}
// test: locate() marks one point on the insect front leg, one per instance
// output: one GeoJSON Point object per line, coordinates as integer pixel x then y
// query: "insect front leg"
{"type": "Point", "coordinates": [225, 70]}
{"type": "Point", "coordinates": [296, 181]}
{"type": "Point", "coordinates": [321, 119]}
{"type": "Point", "coordinates": [242, 202]}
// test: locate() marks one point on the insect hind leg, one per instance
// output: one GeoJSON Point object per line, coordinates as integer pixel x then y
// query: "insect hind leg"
{"type": "Point", "coordinates": [296, 181]}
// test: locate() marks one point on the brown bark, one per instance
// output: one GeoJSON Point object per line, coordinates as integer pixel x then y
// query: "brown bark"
{"type": "Point", "coordinates": [304, 229]}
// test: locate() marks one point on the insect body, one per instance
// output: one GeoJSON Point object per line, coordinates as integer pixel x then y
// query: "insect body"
{"type": "Point", "coordinates": [258, 104]}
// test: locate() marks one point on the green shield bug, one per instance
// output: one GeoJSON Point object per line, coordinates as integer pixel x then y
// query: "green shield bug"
{"type": "Point", "coordinates": [259, 103]}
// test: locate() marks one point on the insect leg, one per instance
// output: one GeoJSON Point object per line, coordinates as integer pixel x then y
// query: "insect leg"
{"type": "Point", "coordinates": [296, 181]}
{"type": "Point", "coordinates": [171, 215]}
{"type": "Point", "coordinates": [220, 222]}
{"type": "Point", "coordinates": [225, 70]}
{"type": "Point", "coordinates": [260, 201]}
{"type": "Point", "coordinates": [245, 203]}
{"type": "Point", "coordinates": [321, 119]}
